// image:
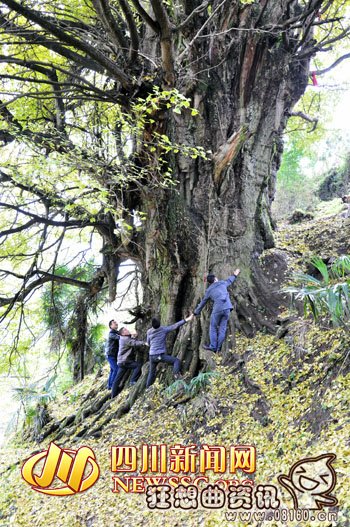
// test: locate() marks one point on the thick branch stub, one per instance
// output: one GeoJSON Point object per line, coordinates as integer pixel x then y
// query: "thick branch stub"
{"type": "Point", "coordinates": [313, 120]}
{"type": "Point", "coordinates": [228, 152]}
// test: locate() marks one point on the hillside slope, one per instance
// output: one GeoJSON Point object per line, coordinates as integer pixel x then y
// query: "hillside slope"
{"type": "Point", "coordinates": [288, 396]}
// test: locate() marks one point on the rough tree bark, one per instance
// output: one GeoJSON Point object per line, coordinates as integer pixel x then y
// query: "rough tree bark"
{"type": "Point", "coordinates": [78, 343]}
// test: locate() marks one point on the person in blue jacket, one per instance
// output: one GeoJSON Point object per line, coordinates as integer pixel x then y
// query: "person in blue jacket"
{"type": "Point", "coordinates": [222, 307]}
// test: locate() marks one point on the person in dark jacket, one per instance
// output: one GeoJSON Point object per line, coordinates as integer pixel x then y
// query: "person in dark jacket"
{"type": "Point", "coordinates": [112, 347]}
{"type": "Point", "coordinates": [222, 307]}
{"type": "Point", "coordinates": [156, 339]}
{"type": "Point", "coordinates": [126, 359]}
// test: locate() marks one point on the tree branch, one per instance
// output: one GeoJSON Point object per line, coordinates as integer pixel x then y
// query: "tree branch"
{"type": "Point", "coordinates": [334, 39]}
{"type": "Point", "coordinates": [46, 221]}
{"type": "Point", "coordinates": [307, 118]}
{"type": "Point", "coordinates": [132, 29]}
{"type": "Point", "coordinates": [54, 83]}
{"type": "Point", "coordinates": [28, 188]}
{"type": "Point", "coordinates": [146, 17]}
{"type": "Point", "coordinates": [33, 37]}
{"type": "Point", "coordinates": [55, 30]}
{"type": "Point", "coordinates": [40, 67]}
{"type": "Point", "coordinates": [314, 8]}
{"type": "Point", "coordinates": [46, 277]}
{"type": "Point", "coordinates": [65, 279]}
{"type": "Point", "coordinates": [104, 12]}
{"type": "Point", "coordinates": [166, 42]}
{"type": "Point", "coordinates": [200, 31]}
{"type": "Point", "coordinates": [190, 17]}
{"type": "Point", "coordinates": [338, 61]}
{"type": "Point", "coordinates": [18, 229]}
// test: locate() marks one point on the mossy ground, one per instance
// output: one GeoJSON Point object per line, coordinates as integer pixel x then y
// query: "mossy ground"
{"type": "Point", "coordinates": [326, 237]}
{"type": "Point", "coordinates": [288, 397]}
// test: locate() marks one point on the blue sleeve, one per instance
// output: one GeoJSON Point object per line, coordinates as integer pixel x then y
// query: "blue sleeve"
{"type": "Point", "coordinates": [201, 304]}
{"type": "Point", "coordinates": [113, 336]}
{"type": "Point", "coordinates": [230, 280]}
{"type": "Point", "coordinates": [174, 326]}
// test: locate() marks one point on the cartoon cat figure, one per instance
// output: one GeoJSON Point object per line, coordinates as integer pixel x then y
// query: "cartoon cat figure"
{"type": "Point", "coordinates": [310, 482]}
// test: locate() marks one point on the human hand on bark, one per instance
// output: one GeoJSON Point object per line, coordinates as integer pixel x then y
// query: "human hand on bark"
{"type": "Point", "coordinates": [189, 318]}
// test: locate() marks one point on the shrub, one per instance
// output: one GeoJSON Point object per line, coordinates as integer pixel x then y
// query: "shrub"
{"type": "Point", "coordinates": [328, 296]}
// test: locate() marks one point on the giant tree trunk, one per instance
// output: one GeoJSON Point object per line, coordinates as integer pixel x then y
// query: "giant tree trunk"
{"type": "Point", "coordinates": [218, 216]}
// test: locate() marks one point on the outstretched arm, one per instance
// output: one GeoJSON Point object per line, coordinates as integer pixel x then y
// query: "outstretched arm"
{"type": "Point", "coordinates": [232, 278]}
{"type": "Point", "coordinates": [178, 324]}
{"type": "Point", "coordinates": [137, 343]}
{"type": "Point", "coordinates": [201, 304]}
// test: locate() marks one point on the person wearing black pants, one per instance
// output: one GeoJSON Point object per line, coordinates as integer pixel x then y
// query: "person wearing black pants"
{"type": "Point", "coordinates": [126, 360]}
{"type": "Point", "coordinates": [156, 339]}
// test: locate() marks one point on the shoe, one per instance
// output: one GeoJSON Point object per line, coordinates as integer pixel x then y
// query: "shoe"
{"type": "Point", "coordinates": [177, 376]}
{"type": "Point", "coordinates": [208, 348]}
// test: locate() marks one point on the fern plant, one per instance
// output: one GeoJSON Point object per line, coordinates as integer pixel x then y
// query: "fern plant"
{"type": "Point", "coordinates": [194, 387]}
{"type": "Point", "coordinates": [33, 396]}
{"type": "Point", "coordinates": [328, 296]}
{"type": "Point", "coordinates": [200, 382]}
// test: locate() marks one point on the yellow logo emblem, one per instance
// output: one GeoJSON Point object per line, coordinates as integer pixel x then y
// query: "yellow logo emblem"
{"type": "Point", "coordinates": [77, 469]}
